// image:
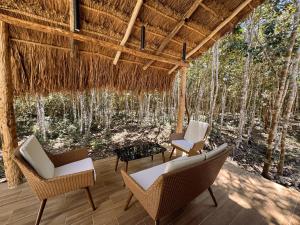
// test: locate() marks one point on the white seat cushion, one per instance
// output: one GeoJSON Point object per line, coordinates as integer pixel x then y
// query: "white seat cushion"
{"type": "Point", "coordinates": [182, 162]}
{"type": "Point", "coordinates": [147, 177]}
{"type": "Point", "coordinates": [183, 144]}
{"type": "Point", "coordinates": [35, 155]}
{"type": "Point", "coordinates": [75, 167]}
{"type": "Point", "coordinates": [196, 131]}
{"type": "Point", "coordinates": [216, 151]}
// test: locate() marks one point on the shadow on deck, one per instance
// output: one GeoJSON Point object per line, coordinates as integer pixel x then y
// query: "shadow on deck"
{"type": "Point", "coordinates": [243, 198]}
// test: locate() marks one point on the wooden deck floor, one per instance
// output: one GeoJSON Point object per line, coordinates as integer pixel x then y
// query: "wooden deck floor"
{"type": "Point", "coordinates": [243, 199]}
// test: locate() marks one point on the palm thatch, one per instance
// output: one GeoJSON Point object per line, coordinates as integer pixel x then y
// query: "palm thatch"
{"type": "Point", "coordinates": [43, 62]}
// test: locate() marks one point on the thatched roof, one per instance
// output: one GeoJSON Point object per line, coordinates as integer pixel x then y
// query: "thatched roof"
{"type": "Point", "coordinates": [42, 61]}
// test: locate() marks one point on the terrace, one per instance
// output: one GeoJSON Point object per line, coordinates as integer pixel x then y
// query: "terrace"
{"type": "Point", "coordinates": [243, 198]}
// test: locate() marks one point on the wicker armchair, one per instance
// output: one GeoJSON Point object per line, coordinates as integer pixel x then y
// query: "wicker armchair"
{"type": "Point", "coordinates": [191, 140]}
{"type": "Point", "coordinates": [46, 188]}
{"type": "Point", "coordinates": [169, 191]}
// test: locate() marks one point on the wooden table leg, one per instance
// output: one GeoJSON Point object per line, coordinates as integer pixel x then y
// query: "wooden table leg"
{"type": "Point", "coordinates": [163, 156]}
{"type": "Point", "coordinates": [172, 153]}
{"type": "Point", "coordinates": [117, 162]}
{"type": "Point", "coordinates": [152, 157]}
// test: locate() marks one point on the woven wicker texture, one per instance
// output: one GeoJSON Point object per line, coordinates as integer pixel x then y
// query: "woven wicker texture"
{"type": "Point", "coordinates": [173, 190]}
{"type": "Point", "coordinates": [46, 188]}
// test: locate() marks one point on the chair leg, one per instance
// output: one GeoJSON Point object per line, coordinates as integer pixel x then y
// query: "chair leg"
{"type": "Point", "coordinates": [128, 201]}
{"type": "Point", "coordinates": [157, 222]}
{"type": "Point", "coordinates": [40, 213]}
{"type": "Point", "coordinates": [212, 196]}
{"type": "Point", "coordinates": [172, 152]}
{"type": "Point", "coordinates": [117, 162]}
{"type": "Point", "coordinates": [88, 193]}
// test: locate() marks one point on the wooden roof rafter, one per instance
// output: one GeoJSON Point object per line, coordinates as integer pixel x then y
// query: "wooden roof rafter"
{"type": "Point", "coordinates": [175, 30]}
{"type": "Point", "coordinates": [87, 31]}
{"type": "Point", "coordinates": [189, 25]}
{"type": "Point", "coordinates": [137, 25]}
{"type": "Point", "coordinates": [216, 30]}
{"type": "Point", "coordinates": [130, 26]}
{"type": "Point", "coordinates": [81, 51]}
{"type": "Point", "coordinates": [84, 38]}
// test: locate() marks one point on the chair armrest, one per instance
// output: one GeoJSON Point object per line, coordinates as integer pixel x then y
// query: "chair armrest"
{"type": "Point", "coordinates": [63, 184]}
{"type": "Point", "coordinates": [68, 157]}
{"type": "Point", "coordinates": [197, 147]}
{"type": "Point", "coordinates": [176, 136]}
{"type": "Point", "coordinates": [133, 186]}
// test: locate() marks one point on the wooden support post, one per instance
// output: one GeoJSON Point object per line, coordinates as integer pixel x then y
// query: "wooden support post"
{"type": "Point", "coordinates": [181, 100]}
{"type": "Point", "coordinates": [7, 117]}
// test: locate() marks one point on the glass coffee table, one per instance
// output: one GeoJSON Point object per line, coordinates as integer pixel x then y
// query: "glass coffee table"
{"type": "Point", "coordinates": [138, 151]}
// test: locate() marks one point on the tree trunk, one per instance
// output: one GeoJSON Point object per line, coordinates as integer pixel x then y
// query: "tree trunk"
{"type": "Point", "coordinates": [7, 117]}
{"type": "Point", "coordinates": [244, 94]}
{"type": "Point", "coordinates": [223, 105]}
{"type": "Point", "coordinates": [286, 117]}
{"type": "Point", "coordinates": [41, 116]}
{"type": "Point", "coordinates": [91, 113]}
{"type": "Point", "coordinates": [82, 110]}
{"type": "Point", "coordinates": [278, 99]}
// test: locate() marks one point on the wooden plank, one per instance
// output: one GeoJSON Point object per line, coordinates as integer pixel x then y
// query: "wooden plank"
{"type": "Point", "coordinates": [233, 188]}
{"type": "Point", "coordinates": [130, 26]}
{"type": "Point", "coordinates": [7, 116]}
{"type": "Point", "coordinates": [84, 38]}
{"type": "Point", "coordinates": [215, 31]}
{"type": "Point", "coordinates": [181, 99]}
{"type": "Point", "coordinates": [176, 29]}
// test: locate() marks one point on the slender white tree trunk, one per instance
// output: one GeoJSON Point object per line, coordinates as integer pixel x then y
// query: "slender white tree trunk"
{"type": "Point", "coordinates": [214, 85]}
{"type": "Point", "coordinates": [82, 112]}
{"type": "Point", "coordinates": [244, 94]}
{"type": "Point", "coordinates": [223, 104]}
{"type": "Point", "coordinates": [40, 106]}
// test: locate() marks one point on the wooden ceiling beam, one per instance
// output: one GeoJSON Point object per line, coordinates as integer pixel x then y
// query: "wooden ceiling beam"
{"type": "Point", "coordinates": [186, 25]}
{"type": "Point", "coordinates": [176, 29]}
{"type": "Point", "coordinates": [130, 26]}
{"type": "Point", "coordinates": [90, 32]}
{"type": "Point", "coordinates": [213, 12]}
{"type": "Point", "coordinates": [137, 25]}
{"type": "Point", "coordinates": [84, 38]}
{"type": "Point", "coordinates": [216, 30]}
{"type": "Point", "coordinates": [26, 42]}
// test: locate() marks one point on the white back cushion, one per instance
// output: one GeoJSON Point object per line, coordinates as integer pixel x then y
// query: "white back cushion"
{"type": "Point", "coordinates": [196, 131]}
{"type": "Point", "coordinates": [183, 162]}
{"type": "Point", "coordinates": [216, 151]}
{"type": "Point", "coordinates": [35, 155]}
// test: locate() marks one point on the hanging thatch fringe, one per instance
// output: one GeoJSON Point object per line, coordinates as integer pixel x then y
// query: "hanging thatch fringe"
{"type": "Point", "coordinates": [43, 70]}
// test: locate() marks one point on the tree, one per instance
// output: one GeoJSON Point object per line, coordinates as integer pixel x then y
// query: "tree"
{"type": "Point", "coordinates": [291, 96]}
{"type": "Point", "coordinates": [278, 100]}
